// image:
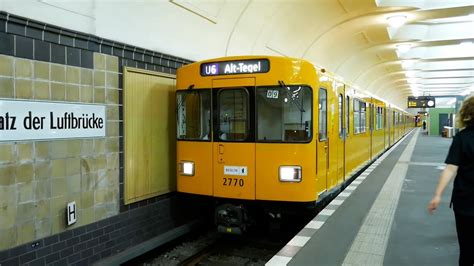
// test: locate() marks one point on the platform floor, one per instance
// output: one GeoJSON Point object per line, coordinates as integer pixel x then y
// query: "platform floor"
{"type": "Point", "coordinates": [382, 217]}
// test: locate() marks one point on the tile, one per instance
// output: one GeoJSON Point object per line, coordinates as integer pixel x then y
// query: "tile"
{"type": "Point", "coordinates": [42, 51]}
{"type": "Point", "coordinates": [41, 70]}
{"type": "Point", "coordinates": [23, 89]}
{"type": "Point", "coordinates": [81, 43]}
{"type": "Point", "coordinates": [42, 150]}
{"type": "Point", "coordinates": [25, 211]}
{"type": "Point", "coordinates": [25, 192]}
{"type": "Point", "coordinates": [66, 40]}
{"type": "Point", "coordinates": [86, 94]}
{"type": "Point", "coordinates": [99, 78]}
{"type": "Point", "coordinates": [73, 75]}
{"type": "Point", "coordinates": [7, 175]}
{"type": "Point", "coordinates": [99, 61]}
{"type": "Point", "coordinates": [73, 56]}
{"type": "Point", "coordinates": [25, 232]}
{"type": "Point", "coordinates": [298, 241]}
{"type": "Point", "coordinates": [86, 77]}
{"type": "Point", "coordinates": [58, 73]}
{"type": "Point", "coordinates": [112, 80]}
{"type": "Point", "coordinates": [51, 37]}
{"type": "Point", "coordinates": [58, 91]}
{"type": "Point", "coordinates": [58, 168]}
{"type": "Point", "coordinates": [34, 33]}
{"type": "Point", "coordinates": [23, 68]}
{"type": "Point", "coordinates": [6, 88]}
{"type": "Point", "coordinates": [16, 28]}
{"type": "Point", "coordinates": [87, 59]}
{"type": "Point", "coordinates": [58, 54]}
{"type": "Point", "coordinates": [111, 63]}
{"type": "Point", "coordinates": [41, 90]}
{"type": "Point", "coordinates": [6, 66]}
{"type": "Point", "coordinates": [106, 49]}
{"type": "Point", "coordinates": [59, 149]}
{"type": "Point", "coordinates": [7, 44]}
{"type": "Point", "coordinates": [42, 190]}
{"type": "Point", "coordinates": [112, 96]}
{"type": "Point", "coordinates": [25, 151]}
{"type": "Point", "coordinates": [24, 173]}
{"type": "Point", "coordinates": [72, 93]}
{"type": "Point", "coordinates": [42, 170]}
{"type": "Point", "coordinates": [59, 187]}
{"type": "Point", "coordinates": [314, 224]}
{"type": "Point", "coordinates": [99, 95]}
{"type": "Point", "coordinates": [24, 47]}
{"type": "Point", "coordinates": [8, 237]}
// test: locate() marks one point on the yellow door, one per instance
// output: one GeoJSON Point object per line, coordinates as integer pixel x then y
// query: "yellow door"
{"type": "Point", "coordinates": [322, 143]}
{"type": "Point", "coordinates": [234, 145]}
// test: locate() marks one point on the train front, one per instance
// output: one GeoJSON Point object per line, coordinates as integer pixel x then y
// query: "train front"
{"type": "Point", "coordinates": [245, 136]}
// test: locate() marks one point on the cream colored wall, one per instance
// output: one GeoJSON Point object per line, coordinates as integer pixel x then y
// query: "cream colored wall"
{"type": "Point", "coordinates": [38, 178]}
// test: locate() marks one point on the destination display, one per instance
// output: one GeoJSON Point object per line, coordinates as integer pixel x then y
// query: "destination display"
{"type": "Point", "coordinates": [421, 102]}
{"type": "Point", "coordinates": [235, 67]}
{"type": "Point", "coordinates": [25, 120]}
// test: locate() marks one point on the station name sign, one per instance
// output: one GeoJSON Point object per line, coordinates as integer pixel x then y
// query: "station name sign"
{"type": "Point", "coordinates": [24, 120]}
{"type": "Point", "coordinates": [421, 102]}
{"type": "Point", "coordinates": [235, 67]}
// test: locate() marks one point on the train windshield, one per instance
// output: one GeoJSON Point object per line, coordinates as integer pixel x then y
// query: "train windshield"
{"type": "Point", "coordinates": [193, 114]}
{"type": "Point", "coordinates": [284, 114]}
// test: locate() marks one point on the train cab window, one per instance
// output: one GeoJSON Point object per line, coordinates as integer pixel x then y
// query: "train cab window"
{"type": "Point", "coordinates": [341, 112]}
{"type": "Point", "coordinates": [323, 107]}
{"type": "Point", "coordinates": [233, 115]}
{"type": "Point", "coordinates": [193, 114]}
{"type": "Point", "coordinates": [284, 114]}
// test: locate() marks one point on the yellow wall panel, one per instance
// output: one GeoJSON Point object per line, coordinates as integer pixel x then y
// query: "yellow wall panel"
{"type": "Point", "coordinates": [149, 125]}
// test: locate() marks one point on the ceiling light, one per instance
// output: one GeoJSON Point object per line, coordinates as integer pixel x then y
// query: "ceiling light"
{"type": "Point", "coordinates": [410, 74]}
{"type": "Point", "coordinates": [404, 47]}
{"type": "Point", "coordinates": [407, 63]}
{"type": "Point", "coordinates": [411, 80]}
{"type": "Point", "coordinates": [396, 21]}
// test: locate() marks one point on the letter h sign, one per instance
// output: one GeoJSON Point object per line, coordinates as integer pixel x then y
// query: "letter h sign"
{"type": "Point", "coordinates": [71, 213]}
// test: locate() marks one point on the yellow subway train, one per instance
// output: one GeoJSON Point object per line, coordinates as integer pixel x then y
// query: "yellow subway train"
{"type": "Point", "coordinates": [275, 134]}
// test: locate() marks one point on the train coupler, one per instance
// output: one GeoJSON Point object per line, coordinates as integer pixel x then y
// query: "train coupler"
{"type": "Point", "coordinates": [232, 219]}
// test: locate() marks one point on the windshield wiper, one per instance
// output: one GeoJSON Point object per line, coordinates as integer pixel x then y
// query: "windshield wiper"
{"type": "Point", "coordinates": [285, 88]}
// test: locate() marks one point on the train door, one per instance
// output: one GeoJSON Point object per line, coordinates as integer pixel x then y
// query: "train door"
{"type": "Point", "coordinates": [322, 143]}
{"type": "Point", "coordinates": [341, 135]}
{"type": "Point", "coordinates": [234, 146]}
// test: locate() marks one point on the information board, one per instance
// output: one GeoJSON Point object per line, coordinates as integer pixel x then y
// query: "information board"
{"type": "Point", "coordinates": [421, 102]}
{"type": "Point", "coordinates": [26, 120]}
{"type": "Point", "coordinates": [235, 67]}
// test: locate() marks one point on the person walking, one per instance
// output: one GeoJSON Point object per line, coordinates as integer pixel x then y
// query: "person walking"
{"type": "Point", "coordinates": [460, 164]}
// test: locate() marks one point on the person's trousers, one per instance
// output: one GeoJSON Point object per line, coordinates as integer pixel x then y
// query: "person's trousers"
{"type": "Point", "coordinates": [465, 230]}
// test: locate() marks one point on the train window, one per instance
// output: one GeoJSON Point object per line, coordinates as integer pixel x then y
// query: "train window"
{"type": "Point", "coordinates": [233, 114]}
{"type": "Point", "coordinates": [284, 114]}
{"type": "Point", "coordinates": [356, 116]}
{"type": "Point", "coordinates": [363, 116]}
{"type": "Point", "coordinates": [341, 118]}
{"type": "Point", "coordinates": [379, 117]}
{"type": "Point", "coordinates": [323, 107]}
{"type": "Point", "coordinates": [348, 104]}
{"type": "Point", "coordinates": [193, 114]}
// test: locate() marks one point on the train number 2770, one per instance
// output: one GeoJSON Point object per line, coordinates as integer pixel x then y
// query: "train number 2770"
{"type": "Point", "coordinates": [229, 181]}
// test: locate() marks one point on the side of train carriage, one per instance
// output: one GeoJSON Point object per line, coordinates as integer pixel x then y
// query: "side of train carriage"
{"type": "Point", "coordinates": [274, 134]}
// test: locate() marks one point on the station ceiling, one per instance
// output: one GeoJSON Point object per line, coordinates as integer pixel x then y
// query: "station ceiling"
{"type": "Point", "coordinates": [430, 53]}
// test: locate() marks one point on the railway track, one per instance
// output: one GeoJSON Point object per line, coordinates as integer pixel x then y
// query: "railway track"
{"type": "Point", "coordinates": [212, 248]}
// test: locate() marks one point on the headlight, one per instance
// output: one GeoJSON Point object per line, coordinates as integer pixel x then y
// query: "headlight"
{"type": "Point", "coordinates": [290, 173]}
{"type": "Point", "coordinates": [187, 168]}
